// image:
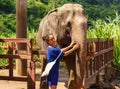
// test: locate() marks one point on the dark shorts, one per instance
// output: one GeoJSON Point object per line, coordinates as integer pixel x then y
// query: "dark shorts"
{"type": "Point", "coordinates": [52, 79]}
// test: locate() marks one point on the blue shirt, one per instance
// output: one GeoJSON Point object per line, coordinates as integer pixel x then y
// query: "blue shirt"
{"type": "Point", "coordinates": [52, 53]}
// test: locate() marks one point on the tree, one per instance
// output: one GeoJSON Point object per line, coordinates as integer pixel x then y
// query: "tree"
{"type": "Point", "coordinates": [21, 32]}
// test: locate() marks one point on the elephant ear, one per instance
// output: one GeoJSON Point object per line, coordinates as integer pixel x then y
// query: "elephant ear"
{"type": "Point", "coordinates": [52, 22]}
{"type": "Point", "coordinates": [54, 10]}
{"type": "Point", "coordinates": [48, 25]}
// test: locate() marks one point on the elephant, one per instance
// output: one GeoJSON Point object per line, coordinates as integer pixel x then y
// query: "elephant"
{"type": "Point", "coordinates": [67, 23]}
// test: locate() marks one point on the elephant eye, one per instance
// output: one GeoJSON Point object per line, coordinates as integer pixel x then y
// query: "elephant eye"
{"type": "Point", "coordinates": [67, 33]}
{"type": "Point", "coordinates": [68, 29]}
{"type": "Point", "coordinates": [68, 26]}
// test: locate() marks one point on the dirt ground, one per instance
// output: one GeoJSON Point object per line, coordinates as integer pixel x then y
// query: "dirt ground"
{"type": "Point", "coordinates": [5, 84]}
{"type": "Point", "coordinates": [63, 77]}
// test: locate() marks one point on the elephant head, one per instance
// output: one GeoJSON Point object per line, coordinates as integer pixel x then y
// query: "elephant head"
{"type": "Point", "coordinates": [67, 23]}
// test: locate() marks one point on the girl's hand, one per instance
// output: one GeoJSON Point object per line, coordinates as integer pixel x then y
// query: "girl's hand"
{"type": "Point", "coordinates": [76, 46]}
{"type": "Point", "coordinates": [72, 43]}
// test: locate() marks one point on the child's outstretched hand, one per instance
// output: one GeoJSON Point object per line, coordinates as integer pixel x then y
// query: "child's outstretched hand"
{"type": "Point", "coordinates": [72, 43]}
{"type": "Point", "coordinates": [76, 46]}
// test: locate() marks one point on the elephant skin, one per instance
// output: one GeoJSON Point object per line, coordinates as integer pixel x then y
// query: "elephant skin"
{"type": "Point", "coordinates": [66, 23]}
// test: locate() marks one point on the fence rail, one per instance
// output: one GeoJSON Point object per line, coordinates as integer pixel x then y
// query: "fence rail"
{"type": "Point", "coordinates": [99, 56]}
{"type": "Point", "coordinates": [11, 52]}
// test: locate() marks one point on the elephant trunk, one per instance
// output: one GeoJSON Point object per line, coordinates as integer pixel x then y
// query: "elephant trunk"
{"type": "Point", "coordinates": [79, 35]}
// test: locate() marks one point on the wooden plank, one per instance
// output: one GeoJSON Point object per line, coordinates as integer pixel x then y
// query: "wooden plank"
{"type": "Point", "coordinates": [22, 52]}
{"type": "Point", "coordinates": [91, 55]}
{"type": "Point", "coordinates": [88, 79]}
{"type": "Point", "coordinates": [31, 74]}
{"type": "Point", "coordinates": [98, 39]}
{"type": "Point", "coordinates": [4, 47]}
{"type": "Point", "coordinates": [39, 52]}
{"type": "Point", "coordinates": [15, 56]}
{"type": "Point", "coordinates": [17, 40]}
{"type": "Point", "coordinates": [13, 78]}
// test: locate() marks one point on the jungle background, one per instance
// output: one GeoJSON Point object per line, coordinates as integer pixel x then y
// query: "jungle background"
{"type": "Point", "coordinates": [103, 19]}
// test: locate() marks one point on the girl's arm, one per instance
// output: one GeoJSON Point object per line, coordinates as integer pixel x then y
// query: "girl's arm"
{"type": "Point", "coordinates": [76, 46]}
{"type": "Point", "coordinates": [68, 52]}
{"type": "Point", "coordinates": [69, 47]}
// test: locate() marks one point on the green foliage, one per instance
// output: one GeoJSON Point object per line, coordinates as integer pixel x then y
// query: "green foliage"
{"type": "Point", "coordinates": [109, 29]}
{"type": "Point", "coordinates": [7, 23]}
{"type": "Point", "coordinates": [3, 62]}
{"type": "Point", "coordinates": [7, 6]}
{"type": "Point", "coordinates": [96, 11]}
{"type": "Point", "coordinates": [31, 33]}
{"type": "Point", "coordinates": [45, 1]}
{"type": "Point", "coordinates": [60, 3]}
{"type": "Point", "coordinates": [36, 11]}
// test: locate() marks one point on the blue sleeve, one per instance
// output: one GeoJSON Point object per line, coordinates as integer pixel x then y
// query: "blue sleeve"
{"type": "Point", "coordinates": [53, 52]}
{"type": "Point", "coordinates": [62, 55]}
{"type": "Point", "coordinates": [49, 54]}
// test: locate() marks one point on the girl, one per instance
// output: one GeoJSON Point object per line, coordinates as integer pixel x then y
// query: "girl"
{"type": "Point", "coordinates": [52, 53]}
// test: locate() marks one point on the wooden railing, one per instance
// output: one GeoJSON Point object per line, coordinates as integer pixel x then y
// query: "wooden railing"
{"type": "Point", "coordinates": [11, 52]}
{"type": "Point", "coordinates": [99, 55]}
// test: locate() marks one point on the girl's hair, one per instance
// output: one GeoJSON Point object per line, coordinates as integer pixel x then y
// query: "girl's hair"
{"type": "Point", "coordinates": [46, 38]}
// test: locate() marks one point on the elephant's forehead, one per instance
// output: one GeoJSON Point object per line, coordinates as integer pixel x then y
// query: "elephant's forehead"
{"type": "Point", "coordinates": [72, 5]}
{"type": "Point", "coordinates": [67, 7]}
{"type": "Point", "coordinates": [71, 9]}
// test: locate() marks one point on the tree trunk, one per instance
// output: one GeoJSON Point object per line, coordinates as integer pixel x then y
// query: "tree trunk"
{"type": "Point", "coordinates": [21, 32]}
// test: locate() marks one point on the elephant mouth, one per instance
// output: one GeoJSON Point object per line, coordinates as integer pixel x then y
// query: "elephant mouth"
{"type": "Point", "coordinates": [64, 41]}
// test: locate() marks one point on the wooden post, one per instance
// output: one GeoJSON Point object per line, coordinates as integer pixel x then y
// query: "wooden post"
{"type": "Point", "coordinates": [21, 32]}
{"type": "Point", "coordinates": [10, 60]}
{"type": "Point", "coordinates": [31, 69]}
{"type": "Point", "coordinates": [98, 62]}
{"type": "Point", "coordinates": [106, 58]}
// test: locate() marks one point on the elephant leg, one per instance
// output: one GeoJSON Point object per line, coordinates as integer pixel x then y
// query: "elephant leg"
{"type": "Point", "coordinates": [43, 84]}
{"type": "Point", "coordinates": [80, 72]}
{"type": "Point", "coordinates": [72, 81]}
{"type": "Point", "coordinates": [80, 80]}
{"type": "Point", "coordinates": [70, 64]}
{"type": "Point", "coordinates": [76, 71]}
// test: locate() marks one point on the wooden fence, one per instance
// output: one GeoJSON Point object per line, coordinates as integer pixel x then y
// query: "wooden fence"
{"type": "Point", "coordinates": [11, 52]}
{"type": "Point", "coordinates": [99, 56]}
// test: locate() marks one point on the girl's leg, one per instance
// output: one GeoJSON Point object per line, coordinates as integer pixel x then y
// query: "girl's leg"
{"type": "Point", "coordinates": [53, 87]}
